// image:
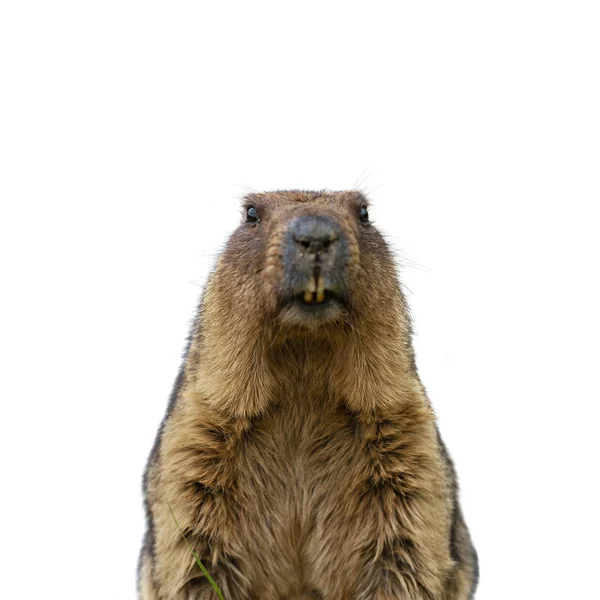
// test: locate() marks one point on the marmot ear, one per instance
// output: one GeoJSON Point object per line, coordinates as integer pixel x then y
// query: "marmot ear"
{"type": "Point", "coordinates": [252, 214]}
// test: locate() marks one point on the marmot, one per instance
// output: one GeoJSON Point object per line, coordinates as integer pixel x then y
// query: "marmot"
{"type": "Point", "coordinates": [299, 452]}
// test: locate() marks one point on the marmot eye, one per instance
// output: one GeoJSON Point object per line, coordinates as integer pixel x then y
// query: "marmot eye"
{"type": "Point", "coordinates": [364, 215]}
{"type": "Point", "coordinates": [251, 215]}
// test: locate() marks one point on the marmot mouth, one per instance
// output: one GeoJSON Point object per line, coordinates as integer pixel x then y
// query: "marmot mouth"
{"type": "Point", "coordinates": [318, 298]}
{"type": "Point", "coordinates": [315, 292]}
{"type": "Point", "coordinates": [314, 300]}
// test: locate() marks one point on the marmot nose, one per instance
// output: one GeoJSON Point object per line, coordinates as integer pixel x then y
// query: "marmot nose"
{"type": "Point", "coordinates": [314, 233]}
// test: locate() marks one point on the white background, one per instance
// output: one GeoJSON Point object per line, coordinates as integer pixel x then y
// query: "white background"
{"type": "Point", "coordinates": [128, 133]}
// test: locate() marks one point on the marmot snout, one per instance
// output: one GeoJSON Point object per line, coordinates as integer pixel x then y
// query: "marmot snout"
{"type": "Point", "coordinates": [314, 261]}
{"type": "Point", "coordinates": [299, 452]}
{"type": "Point", "coordinates": [311, 253]}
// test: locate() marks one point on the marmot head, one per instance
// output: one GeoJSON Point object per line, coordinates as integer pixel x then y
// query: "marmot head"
{"type": "Point", "coordinates": [309, 259]}
{"type": "Point", "coordinates": [306, 277]}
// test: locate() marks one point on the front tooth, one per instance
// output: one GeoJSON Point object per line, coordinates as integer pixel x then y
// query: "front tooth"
{"type": "Point", "coordinates": [320, 289]}
{"type": "Point", "coordinates": [312, 285]}
{"type": "Point", "coordinates": [308, 296]}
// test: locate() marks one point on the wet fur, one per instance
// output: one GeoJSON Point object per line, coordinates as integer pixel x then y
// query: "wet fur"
{"type": "Point", "coordinates": [303, 463]}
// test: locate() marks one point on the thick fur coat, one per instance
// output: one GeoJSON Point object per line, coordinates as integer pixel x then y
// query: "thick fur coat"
{"type": "Point", "coordinates": [299, 451]}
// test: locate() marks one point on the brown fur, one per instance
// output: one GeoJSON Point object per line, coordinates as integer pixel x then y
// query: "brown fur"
{"type": "Point", "coordinates": [303, 461]}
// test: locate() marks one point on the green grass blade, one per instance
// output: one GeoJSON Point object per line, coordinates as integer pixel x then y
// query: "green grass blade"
{"type": "Point", "coordinates": [196, 557]}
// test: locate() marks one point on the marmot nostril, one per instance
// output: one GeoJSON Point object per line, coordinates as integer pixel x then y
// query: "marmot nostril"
{"type": "Point", "coordinates": [314, 232]}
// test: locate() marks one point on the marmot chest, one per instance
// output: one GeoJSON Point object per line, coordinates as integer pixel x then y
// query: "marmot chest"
{"type": "Point", "coordinates": [299, 479]}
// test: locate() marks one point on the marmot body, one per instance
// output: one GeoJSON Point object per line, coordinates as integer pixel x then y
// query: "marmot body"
{"type": "Point", "coordinates": [299, 453]}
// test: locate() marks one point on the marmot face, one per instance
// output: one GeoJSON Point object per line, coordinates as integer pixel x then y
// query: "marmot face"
{"type": "Point", "coordinates": [320, 259]}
